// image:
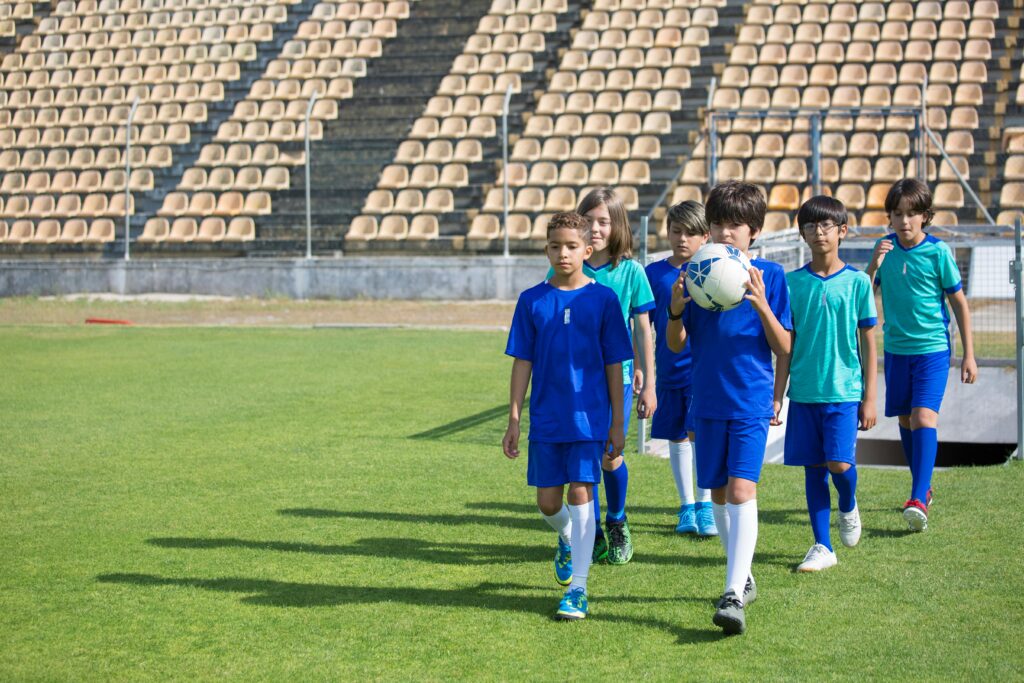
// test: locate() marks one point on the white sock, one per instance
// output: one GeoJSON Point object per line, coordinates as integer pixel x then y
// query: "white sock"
{"type": "Point", "coordinates": [722, 522]}
{"type": "Point", "coordinates": [742, 540]}
{"type": "Point", "coordinates": [583, 529]}
{"type": "Point", "coordinates": [561, 522]}
{"type": "Point", "coordinates": [681, 456]}
{"type": "Point", "coordinates": [703, 495]}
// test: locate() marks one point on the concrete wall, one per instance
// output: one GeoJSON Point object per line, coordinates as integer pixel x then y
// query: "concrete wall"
{"type": "Point", "coordinates": [423, 277]}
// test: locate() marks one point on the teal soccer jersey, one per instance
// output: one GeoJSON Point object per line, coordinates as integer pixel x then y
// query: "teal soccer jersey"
{"type": "Point", "coordinates": [629, 282]}
{"type": "Point", "coordinates": [914, 285]}
{"type": "Point", "coordinates": [827, 311]}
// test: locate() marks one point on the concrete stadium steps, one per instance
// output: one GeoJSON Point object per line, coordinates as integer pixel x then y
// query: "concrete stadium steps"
{"type": "Point", "coordinates": [346, 164]}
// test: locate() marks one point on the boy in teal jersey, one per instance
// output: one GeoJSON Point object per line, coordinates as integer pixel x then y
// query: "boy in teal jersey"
{"type": "Point", "coordinates": [917, 273]}
{"type": "Point", "coordinates": [610, 265]}
{"type": "Point", "coordinates": [832, 392]}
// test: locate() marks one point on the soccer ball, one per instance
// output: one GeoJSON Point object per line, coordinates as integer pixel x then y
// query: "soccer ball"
{"type": "Point", "coordinates": [716, 275]}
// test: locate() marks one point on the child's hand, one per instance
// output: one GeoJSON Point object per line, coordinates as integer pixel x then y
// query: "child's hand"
{"type": "Point", "coordinates": [878, 255]}
{"type": "Point", "coordinates": [679, 298]}
{"type": "Point", "coordinates": [968, 370]}
{"type": "Point", "coordinates": [756, 292]}
{"type": "Point", "coordinates": [777, 409]}
{"type": "Point", "coordinates": [616, 443]}
{"type": "Point", "coordinates": [867, 415]}
{"type": "Point", "coordinates": [638, 381]}
{"type": "Point", "coordinates": [510, 442]}
{"type": "Point", "coordinates": [647, 403]}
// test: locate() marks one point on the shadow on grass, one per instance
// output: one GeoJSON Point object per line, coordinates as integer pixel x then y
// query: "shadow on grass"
{"type": "Point", "coordinates": [416, 549]}
{"type": "Point", "coordinates": [525, 508]}
{"type": "Point", "coordinates": [463, 424]}
{"type": "Point", "coordinates": [491, 596]}
{"type": "Point", "coordinates": [384, 516]}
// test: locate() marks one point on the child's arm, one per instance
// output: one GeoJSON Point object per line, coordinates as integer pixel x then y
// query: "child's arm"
{"type": "Point", "coordinates": [616, 436]}
{"type": "Point", "coordinates": [675, 332]}
{"type": "Point", "coordinates": [868, 411]}
{"type": "Point", "coordinates": [781, 380]}
{"type": "Point", "coordinates": [969, 367]}
{"type": "Point", "coordinates": [881, 249]}
{"type": "Point", "coordinates": [648, 402]}
{"type": "Point", "coordinates": [779, 339]}
{"type": "Point", "coordinates": [521, 370]}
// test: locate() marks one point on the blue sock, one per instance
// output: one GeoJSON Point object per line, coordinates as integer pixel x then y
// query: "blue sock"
{"type": "Point", "coordinates": [819, 503]}
{"type": "Point", "coordinates": [615, 484]}
{"type": "Point", "coordinates": [926, 445]}
{"type": "Point", "coordinates": [908, 448]}
{"type": "Point", "coordinates": [597, 512]}
{"type": "Point", "coordinates": [846, 487]}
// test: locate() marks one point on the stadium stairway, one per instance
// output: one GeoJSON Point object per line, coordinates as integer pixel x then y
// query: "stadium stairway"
{"type": "Point", "coordinates": [24, 24]}
{"type": "Point", "coordinates": [363, 139]}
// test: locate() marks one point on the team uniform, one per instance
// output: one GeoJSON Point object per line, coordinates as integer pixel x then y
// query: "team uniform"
{"type": "Point", "coordinates": [733, 393]}
{"type": "Point", "coordinates": [569, 337]}
{"type": "Point", "coordinates": [630, 285]}
{"type": "Point", "coordinates": [914, 284]}
{"type": "Point", "coordinates": [825, 391]}
{"type": "Point", "coordinates": [733, 382]}
{"type": "Point", "coordinates": [673, 418]}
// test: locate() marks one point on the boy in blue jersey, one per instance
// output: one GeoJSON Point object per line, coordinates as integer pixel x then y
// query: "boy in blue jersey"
{"type": "Point", "coordinates": [916, 273]}
{"type": "Point", "coordinates": [687, 232]}
{"type": "Point", "coordinates": [832, 392]}
{"type": "Point", "coordinates": [568, 333]}
{"type": "Point", "coordinates": [733, 388]}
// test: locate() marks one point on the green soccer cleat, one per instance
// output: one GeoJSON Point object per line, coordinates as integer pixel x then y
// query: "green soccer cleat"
{"type": "Point", "coordinates": [620, 545]}
{"type": "Point", "coordinates": [573, 606]}
{"type": "Point", "coordinates": [600, 549]}
{"type": "Point", "coordinates": [563, 563]}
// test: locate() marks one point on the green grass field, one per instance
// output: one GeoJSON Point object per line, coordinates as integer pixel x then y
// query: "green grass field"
{"type": "Point", "coordinates": [257, 504]}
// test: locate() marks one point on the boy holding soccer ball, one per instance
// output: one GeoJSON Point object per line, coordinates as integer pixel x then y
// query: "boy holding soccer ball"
{"type": "Point", "coordinates": [832, 393]}
{"type": "Point", "coordinates": [733, 388]}
{"type": "Point", "coordinates": [687, 232]}
{"type": "Point", "coordinates": [569, 334]}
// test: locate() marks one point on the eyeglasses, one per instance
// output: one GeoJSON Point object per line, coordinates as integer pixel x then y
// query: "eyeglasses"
{"type": "Point", "coordinates": [825, 227]}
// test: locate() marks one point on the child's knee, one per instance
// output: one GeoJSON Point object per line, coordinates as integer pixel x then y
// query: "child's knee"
{"type": "Point", "coordinates": [739, 491]}
{"type": "Point", "coordinates": [549, 500]}
{"type": "Point", "coordinates": [923, 418]}
{"type": "Point", "coordinates": [837, 467]}
{"type": "Point", "coordinates": [580, 493]}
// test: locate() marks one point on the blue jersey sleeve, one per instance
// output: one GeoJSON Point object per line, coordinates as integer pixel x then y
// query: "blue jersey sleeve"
{"type": "Point", "coordinates": [522, 333]}
{"type": "Point", "coordinates": [616, 346]}
{"type": "Point", "coordinates": [778, 298]}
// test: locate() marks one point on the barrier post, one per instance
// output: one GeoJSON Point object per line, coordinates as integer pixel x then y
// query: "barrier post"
{"type": "Point", "coordinates": [1017, 275]}
{"type": "Point", "coordinates": [504, 165]}
{"type": "Point", "coordinates": [309, 210]}
{"type": "Point", "coordinates": [128, 180]}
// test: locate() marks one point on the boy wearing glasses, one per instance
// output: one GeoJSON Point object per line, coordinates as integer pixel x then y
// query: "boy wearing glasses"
{"type": "Point", "coordinates": [832, 393]}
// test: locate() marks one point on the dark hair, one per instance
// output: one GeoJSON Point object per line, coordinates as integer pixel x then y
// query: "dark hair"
{"type": "Point", "coordinates": [820, 209]}
{"type": "Point", "coordinates": [737, 202]}
{"type": "Point", "coordinates": [569, 220]}
{"type": "Point", "coordinates": [689, 215]}
{"type": "Point", "coordinates": [916, 193]}
{"type": "Point", "coordinates": [620, 241]}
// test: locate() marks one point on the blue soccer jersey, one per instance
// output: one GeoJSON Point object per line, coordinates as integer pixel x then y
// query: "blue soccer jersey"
{"type": "Point", "coordinates": [673, 368]}
{"type": "Point", "coordinates": [732, 362]}
{"type": "Point", "coordinates": [569, 337]}
{"type": "Point", "coordinates": [914, 283]}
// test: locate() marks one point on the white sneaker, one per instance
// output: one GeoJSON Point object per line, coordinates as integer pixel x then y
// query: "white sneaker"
{"type": "Point", "coordinates": [849, 527]}
{"type": "Point", "coordinates": [817, 558]}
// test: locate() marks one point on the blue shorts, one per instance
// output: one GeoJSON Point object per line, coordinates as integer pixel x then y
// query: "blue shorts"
{"type": "Point", "coordinates": [670, 419]}
{"type": "Point", "coordinates": [729, 448]}
{"type": "Point", "coordinates": [917, 381]}
{"type": "Point", "coordinates": [817, 433]}
{"type": "Point", "coordinates": [557, 464]}
{"type": "Point", "coordinates": [689, 425]}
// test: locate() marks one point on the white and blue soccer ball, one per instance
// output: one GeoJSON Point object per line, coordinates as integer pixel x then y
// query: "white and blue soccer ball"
{"type": "Point", "coordinates": [716, 277]}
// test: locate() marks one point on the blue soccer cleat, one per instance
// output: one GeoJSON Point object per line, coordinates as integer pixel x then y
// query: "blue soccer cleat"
{"type": "Point", "coordinates": [706, 520]}
{"type": "Point", "coordinates": [573, 606]}
{"type": "Point", "coordinates": [563, 563]}
{"type": "Point", "coordinates": [687, 520]}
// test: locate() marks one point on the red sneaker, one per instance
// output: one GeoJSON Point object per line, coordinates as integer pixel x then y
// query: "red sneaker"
{"type": "Point", "coordinates": [915, 514]}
